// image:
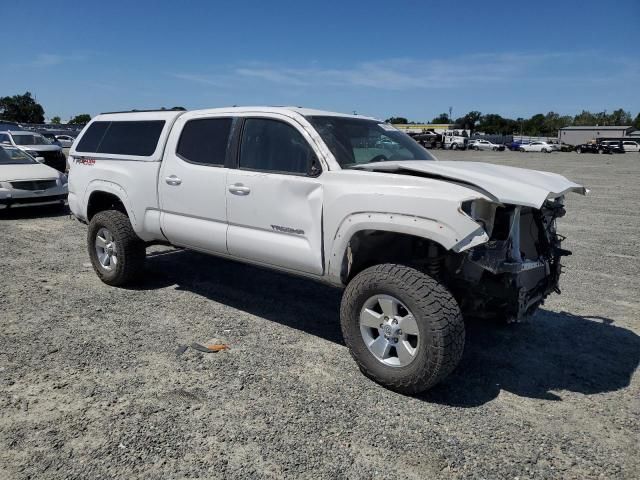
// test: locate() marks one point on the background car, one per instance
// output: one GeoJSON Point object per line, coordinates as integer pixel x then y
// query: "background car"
{"type": "Point", "coordinates": [538, 146]}
{"type": "Point", "coordinates": [26, 182]}
{"type": "Point", "coordinates": [630, 146]}
{"type": "Point", "coordinates": [37, 146]}
{"type": "Point", "coordinates": [614, 145]}
{"type": "Point", "coordinates": [485, 145]}
{"type": "Point", "coordinates": [593, 148]}
{"type": "Point", "coordinates": [65, 141]}
{"type": "Point", "coordinates": [52, 138]}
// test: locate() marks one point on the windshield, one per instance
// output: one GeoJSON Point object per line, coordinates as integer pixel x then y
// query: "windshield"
{"type": "Point", "coordinates": [355, 141]}
{"type": "Point", "coordinates": [30, 139]}
{"type": "Point", "coordinates": [13, 156]}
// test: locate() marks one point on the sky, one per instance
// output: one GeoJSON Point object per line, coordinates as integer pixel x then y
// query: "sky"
{"type": "Point", "coordinates": [410, 58]}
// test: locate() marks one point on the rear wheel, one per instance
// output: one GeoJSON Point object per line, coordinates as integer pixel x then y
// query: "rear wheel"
{"type": "Point", "coordinates": [454, 146]}
{"type": "Point", "coordinates": [117, 253]}
{"type": "Point", "coordinates": [521, 149]}
{"type": "Point", "coordinates": [578, 150]}
{"type": "Point", "coordinates": [402, 327]}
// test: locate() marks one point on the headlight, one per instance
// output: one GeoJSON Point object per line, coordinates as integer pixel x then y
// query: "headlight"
{"type": "Point", "coordinates": [480, 211]}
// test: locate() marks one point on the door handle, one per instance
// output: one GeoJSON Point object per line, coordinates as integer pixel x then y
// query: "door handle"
{"type": "Point", "coordinates": [239, 189]}
{"type": "Point", "coordinates": [173, 180]}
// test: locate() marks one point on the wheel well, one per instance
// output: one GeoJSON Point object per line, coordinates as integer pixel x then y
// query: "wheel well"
{"type": "Point", "coordinates": [372, 247]}
{"type": "Point", "coordinates": [100, 201]}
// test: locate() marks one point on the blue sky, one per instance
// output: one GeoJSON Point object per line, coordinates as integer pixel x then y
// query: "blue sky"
{"type": "Point", "coordinates": [414, 58]}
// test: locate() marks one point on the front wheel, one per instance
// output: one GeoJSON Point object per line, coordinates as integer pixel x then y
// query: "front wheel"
{"type": "Point", "coordinates": [117, 253]}
{"type": "Point", "coordinates": [403, 328]}
{"type": "Point", "coordinates": [578, 150]}
{"type": "Point", "coordinates": [454, 146]}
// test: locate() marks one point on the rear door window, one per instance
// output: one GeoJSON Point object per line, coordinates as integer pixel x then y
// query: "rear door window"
{"type": "Point", "coordinates": [205, 141]}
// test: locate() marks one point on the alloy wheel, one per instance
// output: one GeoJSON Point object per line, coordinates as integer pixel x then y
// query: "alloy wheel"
{"type": "Point", "coordinates": [389, 330]}
{"type": "Point", "coordinates": [106, 250]}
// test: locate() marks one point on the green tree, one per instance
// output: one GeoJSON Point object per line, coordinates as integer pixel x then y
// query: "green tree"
{"type": "Point", "coordinates": [21, 108]}
{"type": "Point", "coordinates": [494, 124]}
{"type": "Point", "coordinates": [636, 122]}
{"type": "Point", "coordinates": [56, 120]}
{"type": "Point", "coordinates": [552, 123]}
{"type": "Point", "coordinates": [442, 118]}
{"type": "Point", "coordinates": [80, 119]}
{"type": "Point", "coordinates": [620, 117]}
{"type": "Point", "coordinates": [397, 120]}
{"type": "Point", "coordinates": [584, 118]}
{"type": "Point", "coordinates": [469, 121]}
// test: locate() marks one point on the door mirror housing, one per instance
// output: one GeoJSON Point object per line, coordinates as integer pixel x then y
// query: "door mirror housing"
{"type": "Point", "coordinates": [315, 168]}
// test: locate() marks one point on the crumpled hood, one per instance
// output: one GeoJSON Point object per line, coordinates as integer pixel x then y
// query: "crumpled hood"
{"type": "Point", "coordinates": [517, 186]}
{"type": "Point", "coordinates": [31, 171]}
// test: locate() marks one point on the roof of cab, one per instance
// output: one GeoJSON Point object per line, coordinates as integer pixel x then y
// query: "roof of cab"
{"type": "Point", "coordinates": [170, 114]}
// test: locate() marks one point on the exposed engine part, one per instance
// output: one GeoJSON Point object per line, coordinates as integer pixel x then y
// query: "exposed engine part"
{"type": "Point", "coordinates": [434, 260]}
{"type": "Point", "coordinates": [519, 266]}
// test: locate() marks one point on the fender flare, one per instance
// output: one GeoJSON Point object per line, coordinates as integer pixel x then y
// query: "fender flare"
{"type": "Point", "coordinates": [115, 190]}
{"type": "Point", "coordinates": [428, 228]}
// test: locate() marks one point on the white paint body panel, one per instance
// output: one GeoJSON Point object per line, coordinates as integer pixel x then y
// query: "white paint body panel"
{"type": "Point", "coordinates": [517, 186]}
{"type": "Point", "coordinates": [295, 223]}
{"type": "Point", "coordinates": [193, 213]}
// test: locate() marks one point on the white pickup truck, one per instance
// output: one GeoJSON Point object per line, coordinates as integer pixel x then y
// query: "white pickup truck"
{"type": "Point", "coordinates": [347, 200]}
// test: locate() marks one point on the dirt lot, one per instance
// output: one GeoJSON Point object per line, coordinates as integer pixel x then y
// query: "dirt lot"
{"type": "Point", "coordinates": [92, 385]}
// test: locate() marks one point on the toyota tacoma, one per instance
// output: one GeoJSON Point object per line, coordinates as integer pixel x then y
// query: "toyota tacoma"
{"type": "Point", "coordinates": [416, 243]}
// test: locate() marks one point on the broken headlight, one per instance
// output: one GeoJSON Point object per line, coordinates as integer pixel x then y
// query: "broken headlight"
{"type": "Point", "coordinates": [481, 211]}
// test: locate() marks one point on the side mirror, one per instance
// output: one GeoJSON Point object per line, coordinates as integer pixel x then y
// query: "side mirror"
{"type": "Point", "coordinates": [314, 167]}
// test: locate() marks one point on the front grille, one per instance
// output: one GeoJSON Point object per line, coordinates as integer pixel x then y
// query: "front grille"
{"type": "Point", "coordinates": [54, 159]}
{"type": "Point", "coordinates": [34, 184]}
{"type": "Point", "coordinates": [26, 201]}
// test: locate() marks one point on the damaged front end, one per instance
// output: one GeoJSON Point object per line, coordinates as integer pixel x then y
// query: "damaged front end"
{"type": "Point", "coordinates": [510, 275]}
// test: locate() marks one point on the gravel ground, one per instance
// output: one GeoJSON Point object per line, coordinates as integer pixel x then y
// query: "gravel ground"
{"type": "Point", "coordinates": [94, 384]}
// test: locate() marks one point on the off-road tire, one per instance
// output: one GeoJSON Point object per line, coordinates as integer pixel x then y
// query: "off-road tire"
{"type": "Point", "coordinates": [131, 250]}
{"type": "Point", "coordinates": [436, 312]}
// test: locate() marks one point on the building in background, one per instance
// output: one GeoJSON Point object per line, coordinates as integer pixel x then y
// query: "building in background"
{"type": "Point", "coordinates": [586, 134]}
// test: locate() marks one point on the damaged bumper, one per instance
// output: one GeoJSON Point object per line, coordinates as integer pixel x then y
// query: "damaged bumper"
{"type": "Point", "coordinates": [520, 265]}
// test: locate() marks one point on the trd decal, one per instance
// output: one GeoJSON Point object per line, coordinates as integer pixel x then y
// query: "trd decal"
{"type": "Point", "coordinates": [295, 231]}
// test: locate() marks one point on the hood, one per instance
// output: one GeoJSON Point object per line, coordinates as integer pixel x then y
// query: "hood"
{"type": "Point", "coordinates": [31, 171]}
{"type": "Point", "coordinates": [517, 186]}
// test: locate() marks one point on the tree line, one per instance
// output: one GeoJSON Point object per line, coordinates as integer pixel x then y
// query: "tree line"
{"type": "Point", "coordinates": [537, 125]}
{"type": "Point", "coordinates": [25, 109]}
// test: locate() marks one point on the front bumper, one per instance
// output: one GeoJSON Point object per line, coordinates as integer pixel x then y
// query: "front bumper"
{"type": "Point", "coordinates": [11, 202]}
{"type": "Point", "coordinates": [29, 196]}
